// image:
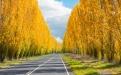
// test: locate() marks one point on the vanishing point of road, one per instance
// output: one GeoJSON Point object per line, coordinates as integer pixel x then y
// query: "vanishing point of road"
{"type": "Point", "coordinates": [50, 65]}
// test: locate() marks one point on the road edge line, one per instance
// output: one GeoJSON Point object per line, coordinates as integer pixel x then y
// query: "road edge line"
{"type": "Point", "coordinates": [65, 66]}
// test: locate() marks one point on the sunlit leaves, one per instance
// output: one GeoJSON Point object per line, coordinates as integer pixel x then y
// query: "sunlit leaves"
{"type": "Point", "coordinates": [94, 29]}
{"type": "Point", "coordinates": [23, 30]}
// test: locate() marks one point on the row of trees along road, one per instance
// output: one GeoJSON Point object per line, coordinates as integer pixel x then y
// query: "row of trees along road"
{"type": "Point", "coordinates": [94, 28]}
{"type": "Point", "coordinates": [23, 31]}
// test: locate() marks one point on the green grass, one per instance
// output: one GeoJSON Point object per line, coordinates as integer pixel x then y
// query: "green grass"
{"type": "Point", "coordinates": [19, 61]}
{"type": "Point", "coordinates": [107, 67]}
{"type": "Point", "coordinates": [91, 66]}
{"type": "Point", "coordinates": [78, 68]}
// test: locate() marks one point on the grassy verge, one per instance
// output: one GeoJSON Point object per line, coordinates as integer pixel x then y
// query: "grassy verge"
{"type": "Point", "coordinates": [19, 61]}
{"type": "Point", "coordinates": [84, 65]}
{"type": "Point", "coordinates": [102, 67]}
{"type": "Point", "coordinates": [78, 68]}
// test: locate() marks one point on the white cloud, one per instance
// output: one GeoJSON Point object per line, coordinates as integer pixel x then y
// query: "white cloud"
{"type": "Point", "coordinates": [59, 39]}
{"type": "Point", "coordinates": [56, 16]}
{"type": "Point", "coordinates": [53, 8]}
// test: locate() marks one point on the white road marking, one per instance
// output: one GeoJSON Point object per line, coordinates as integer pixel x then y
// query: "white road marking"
{"type": "Point", "coordinates": [30, 72]}
{"type": "Point", "coordinates": [65, 66]}
{"type": "Point", "coordinates": [17, 65]}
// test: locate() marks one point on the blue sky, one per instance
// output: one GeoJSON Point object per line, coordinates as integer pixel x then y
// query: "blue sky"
{"type": "Point", "coordinates": [69, 3]}
{"type": "Point", "coordinates": [56, 14]}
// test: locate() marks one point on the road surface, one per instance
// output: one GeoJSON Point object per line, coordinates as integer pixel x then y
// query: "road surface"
{"type": "Point", "coordinates": [50, 65]}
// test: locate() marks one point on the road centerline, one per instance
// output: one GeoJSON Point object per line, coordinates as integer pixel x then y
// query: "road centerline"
{"type": "Point", "coordinates": [52, 65]}
{"type": "Point", "coordinates": [30, 72]}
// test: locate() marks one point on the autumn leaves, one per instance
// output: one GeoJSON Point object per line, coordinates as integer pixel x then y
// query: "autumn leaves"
{"type": "Point", "coordinates": [94, 28]}
{"type": "Point", "coordinates": [23, 31]}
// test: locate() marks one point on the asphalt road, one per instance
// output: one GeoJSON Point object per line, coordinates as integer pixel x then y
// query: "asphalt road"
{"type": "Point", "coordinates": [51, 65]}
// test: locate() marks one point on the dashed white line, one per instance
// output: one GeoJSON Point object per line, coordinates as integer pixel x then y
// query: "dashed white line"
{"type": "Point", "coordinates": [16, 65]}
{"type": "Point", "coordinates": [30, 72]}
{"type": "Point", "coordinates": [65, 66]}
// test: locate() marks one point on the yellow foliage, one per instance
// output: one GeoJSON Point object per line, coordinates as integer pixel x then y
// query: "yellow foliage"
{"type": "Point", "coordinates": [94, 29]}
{"type": "Point", "coordinates": [23, 30]}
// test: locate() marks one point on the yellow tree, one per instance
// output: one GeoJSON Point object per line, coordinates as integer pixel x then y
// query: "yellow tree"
{"type": "Point", "coordinates": [23, 30]}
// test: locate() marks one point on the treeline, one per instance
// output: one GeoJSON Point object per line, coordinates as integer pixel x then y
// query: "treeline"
{"type": "Point", "coordinates": [94, 28]}
{"type": "Point", "coordinates": [23, 31]}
